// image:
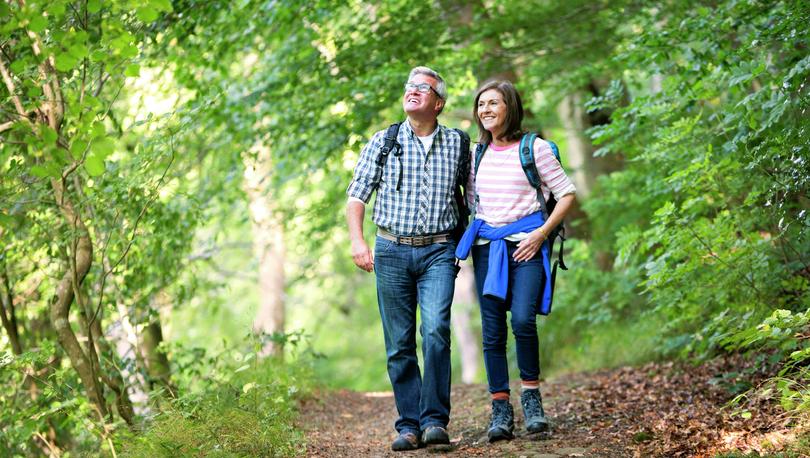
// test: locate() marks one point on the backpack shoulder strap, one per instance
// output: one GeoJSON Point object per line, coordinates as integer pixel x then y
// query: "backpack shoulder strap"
{"type": "Point", "coordinates": [464, 160]}
{"type": "Point", "coordinates": [554, 150]}
{"type": "Point", "coordinates": [479, 154]}
{"type": "Point", "coordinates": [526, 152]}
{"type": "Point", "coordinates": [389, 143]}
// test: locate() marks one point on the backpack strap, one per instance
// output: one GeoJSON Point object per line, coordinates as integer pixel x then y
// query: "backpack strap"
{"type": "Point", "coordinates": [391, 145]}
{"type": "Point", "coordinates": [462, 172]}
{"type": "Point", "coordinates": [526, 153]}
{"type": "Point", "coordinates": [479, 155]}
{"type": "Point", "coordinates": [560, 229]}
{"type": "Point", "coordinates": [464, 160]}
{"type": "Point", "coordinates": [554, 150]}
{"type": "Point", "coordinates": [459, 190]}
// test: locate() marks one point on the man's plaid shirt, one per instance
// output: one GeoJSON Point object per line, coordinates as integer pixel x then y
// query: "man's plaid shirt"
{"type": "Point", "coordinates": [424, 203]}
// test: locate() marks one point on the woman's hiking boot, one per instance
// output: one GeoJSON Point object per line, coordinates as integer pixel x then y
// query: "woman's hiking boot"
{"type": "Point", "coordinates": [502, 422]}
{"type": "Point", "coordinates": [533, 413]}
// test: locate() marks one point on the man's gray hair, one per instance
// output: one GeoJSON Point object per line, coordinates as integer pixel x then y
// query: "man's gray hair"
{"type": "Point", "coordinates": [441, 87]}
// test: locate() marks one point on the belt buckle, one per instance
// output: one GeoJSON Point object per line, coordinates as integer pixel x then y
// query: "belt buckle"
{"type": "Point", "coordinates": [420, 240]}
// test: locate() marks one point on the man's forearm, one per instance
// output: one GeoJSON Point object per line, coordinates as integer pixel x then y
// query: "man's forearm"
{"type": "Point", "coordinates": [355, 212]}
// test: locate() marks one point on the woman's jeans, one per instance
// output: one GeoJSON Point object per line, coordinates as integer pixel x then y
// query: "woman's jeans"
{"type": "Point", "coordinates": [525, 282]}
{"type": "Point", "coordinates": [407, 276]}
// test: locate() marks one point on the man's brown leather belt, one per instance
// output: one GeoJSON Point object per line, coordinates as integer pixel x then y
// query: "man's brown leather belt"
{"type": "Point", "coordinates": [416, 240]}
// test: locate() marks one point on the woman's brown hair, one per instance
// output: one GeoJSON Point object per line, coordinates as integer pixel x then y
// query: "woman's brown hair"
{"type": "Point", "coordinates": [514, 111]}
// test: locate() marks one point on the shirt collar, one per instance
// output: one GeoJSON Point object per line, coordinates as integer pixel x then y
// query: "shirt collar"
{"type": "Point", "coordinates": [410, 131]}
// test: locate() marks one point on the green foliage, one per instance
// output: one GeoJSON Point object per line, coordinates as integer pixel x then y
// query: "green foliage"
{"type": "Point", "coordinates": [784, 333]}
{"type": "Point", "coordinates": [39, 399]}
{"type": "Point", "coordinates": [710, 214]}
{"type": "Point", "coordinates": [597, 318]}
{"type": "Point", "coordinates": [234, 404]}
{"type": "Point", "coordinates": [700, 244]}
{"type": "Point", "coordinates": [797, 449]}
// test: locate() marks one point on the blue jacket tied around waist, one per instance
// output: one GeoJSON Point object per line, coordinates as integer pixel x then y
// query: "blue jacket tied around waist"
{"type": "Point", "coordinates": [497, 280]}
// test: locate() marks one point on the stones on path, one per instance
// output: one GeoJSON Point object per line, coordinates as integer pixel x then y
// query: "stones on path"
{"type": "Point", "coordinates": [572, 451]}
{"type": "Point", "coordinates": [560, 453]}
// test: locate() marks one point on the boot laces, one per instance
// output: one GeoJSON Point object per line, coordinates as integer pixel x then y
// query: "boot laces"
{"type": "Point", "coordinates": [500, 414]}
{"type": "Point", "coordinates": [531, 403]}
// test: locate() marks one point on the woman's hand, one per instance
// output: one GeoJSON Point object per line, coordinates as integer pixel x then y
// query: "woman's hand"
{"type": "Point", "coordinates": [527, 248]}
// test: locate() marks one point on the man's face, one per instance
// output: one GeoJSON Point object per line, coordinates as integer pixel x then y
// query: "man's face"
{"type": "Point", "coordinates": [418, 103]}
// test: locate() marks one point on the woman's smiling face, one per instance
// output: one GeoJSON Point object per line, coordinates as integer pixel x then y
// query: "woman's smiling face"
{"type": "Point", "coordinates": [492, 112]}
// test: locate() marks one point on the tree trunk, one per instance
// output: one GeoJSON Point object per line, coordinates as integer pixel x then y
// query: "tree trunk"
{"type": "Point", "coordinates": [586, 168]}
{"type": "Point", "coordinates": [79, 266]}
{"type": "Point", "coordinates": [268, 247]}
{"type": "Point", "coordinates": [8, 314]}
{"type": "Point", "coordinates": [124, 342]}
{"type": "Point", "coordinates": [157, 363]}
{"type": "Point", "coordinates": [113, 378]}
{"type": "Point", "coordinates": [154, 357]}
{"type": "Point", "coordinates": [464, 299]}
{"type": "Point", "coordinates": [579, 148]}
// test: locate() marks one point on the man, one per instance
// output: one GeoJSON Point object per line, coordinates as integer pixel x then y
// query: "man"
{"type": "Point", "coordinates": [413, 256]}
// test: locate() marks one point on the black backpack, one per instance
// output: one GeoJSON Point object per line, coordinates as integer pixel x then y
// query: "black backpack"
{"type": "Point", "coordinates": [392, 146]}
{"type": "Point", "coordinates": [526, 153]}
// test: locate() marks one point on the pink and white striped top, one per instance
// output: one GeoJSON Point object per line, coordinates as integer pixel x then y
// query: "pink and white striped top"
{"type": "Point", "coordinates": [504, 193]}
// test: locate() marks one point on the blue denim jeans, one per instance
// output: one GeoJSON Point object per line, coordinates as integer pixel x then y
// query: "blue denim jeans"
{"type": "Point", "coordinates": [525, 282]}
{"type": "Point", "coordinates": [407, 276]}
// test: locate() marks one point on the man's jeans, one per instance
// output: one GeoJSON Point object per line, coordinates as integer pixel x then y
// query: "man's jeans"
{"type": "Point", "coordinates": [525, 283]}
{"type": "Point", "coordinates": [406, 276]}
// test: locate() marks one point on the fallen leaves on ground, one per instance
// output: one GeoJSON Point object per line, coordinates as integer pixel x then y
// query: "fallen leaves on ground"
{"type": "Point", "coordinates": [667, 410]}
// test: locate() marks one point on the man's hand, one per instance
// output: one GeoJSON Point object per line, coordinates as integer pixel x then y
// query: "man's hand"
{"type": "Point", "coordinates": [361, 254]}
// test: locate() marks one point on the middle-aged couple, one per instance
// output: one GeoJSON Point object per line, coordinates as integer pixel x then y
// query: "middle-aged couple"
{"type": "Point", "coordinates": [414, 255]}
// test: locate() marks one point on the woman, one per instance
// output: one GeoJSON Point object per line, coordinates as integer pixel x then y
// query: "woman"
{"type": "Point", "coordinates": [509, 254]}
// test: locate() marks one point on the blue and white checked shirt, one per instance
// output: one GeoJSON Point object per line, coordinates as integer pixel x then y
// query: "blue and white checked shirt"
{"type": "Point", "coordinates": [424, 203]}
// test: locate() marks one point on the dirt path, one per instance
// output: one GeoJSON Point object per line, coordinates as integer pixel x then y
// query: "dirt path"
{"type": "Point", "coordinates": [655, 410]}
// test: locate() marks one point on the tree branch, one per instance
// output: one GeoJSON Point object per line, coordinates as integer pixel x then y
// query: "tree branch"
{"type": "Point", "coordinates": [12, 90]}
{"type": "Point", "coordinates": [135, 228]}
{"type": "Point", "coordinates": [722, 261]}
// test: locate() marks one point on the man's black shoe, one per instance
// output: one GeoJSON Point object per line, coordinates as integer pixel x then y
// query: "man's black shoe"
{"type": "Point", "coordinates": [405, 441]}
{"type": "Point", "coordinates": [435, 435]}
{"type": "Point", "coordinates": [502, 423]}
{"type": "Point", "coordinates": [533, 413]}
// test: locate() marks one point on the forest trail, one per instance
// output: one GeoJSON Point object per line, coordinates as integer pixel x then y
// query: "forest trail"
{"type": "Point", "coordinates": [654, 410]}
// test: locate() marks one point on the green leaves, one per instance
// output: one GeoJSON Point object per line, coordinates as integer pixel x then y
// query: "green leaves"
{"type": "Point", "coordinates": [64, 62]}
{"type": "Point", "coordinates": [101, 146]}
{"type": "Point", "coordinates": [713, 169]}
{"type": "Point", "coordinates": [150, 11]}
{"type": "Point", "coordinates": [37, 24]}
{"type": "Point", "coordinates": [146, 13]}
{"type": "Point", "coordinates": [77, 149]}
{"type": "Point", "coordinates": [123, 45]}
{"type": "Point", "coordinates": [132, 70]}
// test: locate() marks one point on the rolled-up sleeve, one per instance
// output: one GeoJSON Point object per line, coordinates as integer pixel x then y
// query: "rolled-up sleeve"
{"type": "Point", "coordinates": [367, 172]}
{"type": "Point", "coordinates": [551, 172]}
